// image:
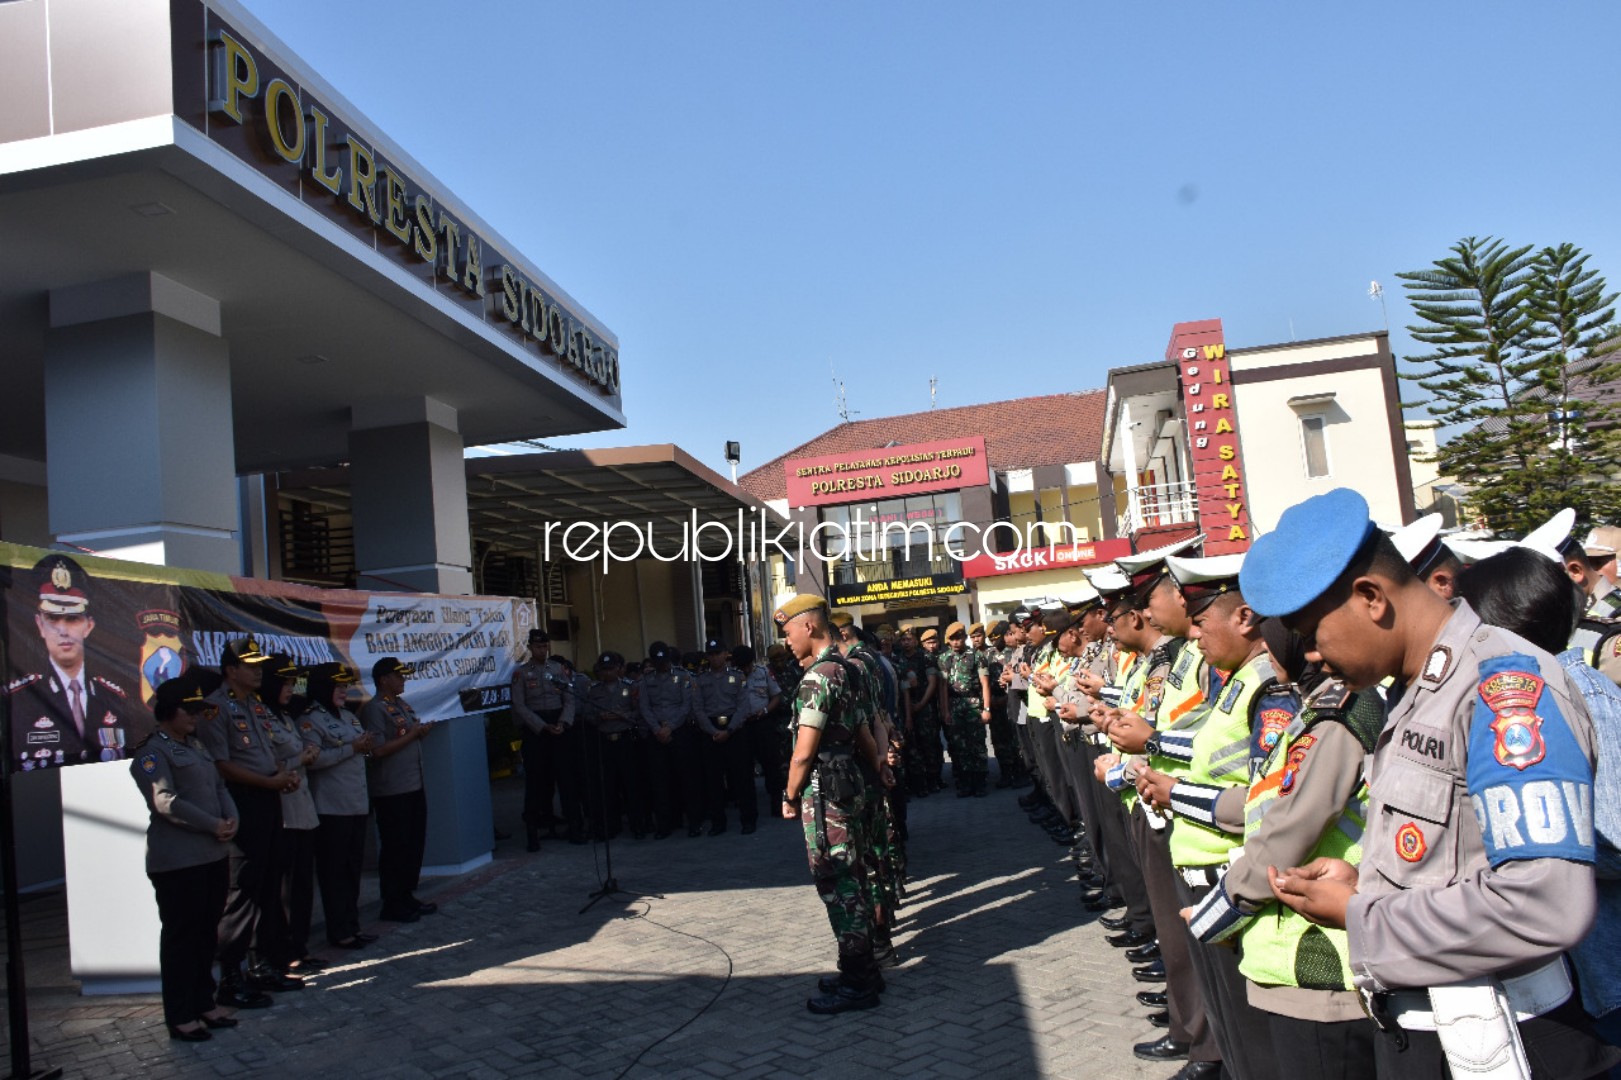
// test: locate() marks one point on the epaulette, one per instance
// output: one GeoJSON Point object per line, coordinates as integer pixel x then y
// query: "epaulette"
{"type": "Point", "coordinates": [1331, 696]}
{"type": "Point", "coordinates": [17, 684]}
{"type": "Point", "coordinates": [114, 687]}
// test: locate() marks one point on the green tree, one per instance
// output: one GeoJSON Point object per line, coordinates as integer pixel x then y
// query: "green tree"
{"type": "Point", "coordinates": [1523, 372]}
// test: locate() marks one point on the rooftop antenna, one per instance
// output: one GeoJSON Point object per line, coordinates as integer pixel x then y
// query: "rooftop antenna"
{"type": "Point", "coordinates": [1376, 291]}
{"type": "Point", "coordinates": [934, 385]}
{"type": "Point", "coordinates": [841, 404]}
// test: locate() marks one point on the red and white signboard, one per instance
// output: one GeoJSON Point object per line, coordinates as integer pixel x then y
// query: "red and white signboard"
{"type": "Point", "coordinates": [1057, 557]}
{"type": "Point", "coordinates": [1198, 350]}
{"type": "Point", "coordinates": [891, 472]}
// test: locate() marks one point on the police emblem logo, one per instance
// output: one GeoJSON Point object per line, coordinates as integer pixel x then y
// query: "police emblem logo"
{"type": "Point", "coordinates": [1512, 697]}
{"type": "Point", "coordinates": [1273, 724]}
{"type": "Point", "coordinates": [1410, 843]}
{"type": "Point", "coordinates": [1292, 764]}
{"type": "Point", "coordinates": [61, 576]}
{"type": "Point", "coordinates": [162, 655]}
{"type": "Point", "coordinates": [149, 763]}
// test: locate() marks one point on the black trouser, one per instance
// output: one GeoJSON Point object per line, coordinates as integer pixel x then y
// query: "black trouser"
{"type": "Point", "coordinates": [252, 916]}
{"type": "Point", "coordinates": [765, 748]}
{"type": "Point", "coordinates": [1243, 1032]}
{"type": "Point", "coordinates": [538, 749]}
{"type": "Point", "coordinates": [297, 892]}
{"type": "Point", "coordinates": [1558, 1044]}
{"type": "Point", "coordinates": [725, 765]}
{"type": "Point", "coordinates": [1090, 796]}
{"type": "Point", "coordinates": [738, 753]}
{"type": "Point", "coordinates": [1125, 873]}
{"type": "Point", "coordinates": [1342, 1050]}
{"type": "Point", "coordinates": [1077, 768]}
{"type": "Point", "coordinates": [614, 790]}
{"type": "Point", "coordinates": [1182, 989]}
{"type": "Point", "coordinates": [190, 902]}
{"type": "Point", "coordinates": [1044, 736]}
{"type": "Point", "coordinates": [402, 832]}
{"type": "Point", "coordinates": [340, 845]}
{"type": "Point", "coordinates": [677, 772]}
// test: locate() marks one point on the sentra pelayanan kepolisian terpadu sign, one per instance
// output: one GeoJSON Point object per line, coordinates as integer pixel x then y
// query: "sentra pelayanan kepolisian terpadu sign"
{"type": "Point", "coordinates": [89, 639]}
{"type": "Point", "coordinates": [887, 473]}
{"type": "Point", "coordinates": [243, 100]}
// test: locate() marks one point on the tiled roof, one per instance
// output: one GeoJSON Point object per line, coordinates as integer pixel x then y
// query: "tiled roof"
{"type": "Point", "coordinates": [1070, 428]}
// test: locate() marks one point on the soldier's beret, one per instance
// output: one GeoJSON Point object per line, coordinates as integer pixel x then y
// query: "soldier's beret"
{"type": "Point", "coordinates": [798, 605]}
{"type": "Point", "coordinates": [954, 629]}
{"type": "Point", "coordinates": [885, 627]}
{"type": "Point", "coordinates": [841, 619]}
{"type": "Point", "coordinates": [1315, 540]}
{"type": "Point", "coordinates": [928, 635]}
{"type": "Point", "coordinates": [977, 628]}
{"type": "Point", "coordinates": [997, 629]}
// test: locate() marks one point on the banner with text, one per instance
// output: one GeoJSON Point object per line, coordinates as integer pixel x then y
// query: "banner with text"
{"type": "Point", "coordinates": [89, 639]}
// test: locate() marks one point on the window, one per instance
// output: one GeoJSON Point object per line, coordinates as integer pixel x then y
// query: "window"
{"type": "Point", "coordinates": [1314, 441]}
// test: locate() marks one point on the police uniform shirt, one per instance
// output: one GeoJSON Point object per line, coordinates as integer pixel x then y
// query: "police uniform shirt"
{"type": "Point", "coordinates": [297, 806]}
{"type": "Point", "coordinates": [188, 799]}
{"type": "Point", "coordinates": [666, 699]}
{"type": "Point", "coordinates": [541, 687]}
{"type": "Point", "coordinates": [241, 732]}
{"type": "Point", "coordinates": [718, 693]}
{"type": "Point", "coordinates": [1478, 853]}
{"type": "Point", "coordinates": [758, 689]}
{"type": "Point", "coordinates": [399, 772]}
{"type": "Point", "coordinates": [610, 706]}
{"type": "Point", "coordinates": [337, 776]}
{"type": "Point", "coordinates": [43, 732]}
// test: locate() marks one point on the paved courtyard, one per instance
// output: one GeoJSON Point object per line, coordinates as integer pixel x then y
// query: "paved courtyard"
{"type": "Point", "coordinates": [1002, 975]}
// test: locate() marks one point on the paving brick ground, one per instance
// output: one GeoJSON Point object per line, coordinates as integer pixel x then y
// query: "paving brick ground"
{"type": "Point", "coordinates": [1003, 974]}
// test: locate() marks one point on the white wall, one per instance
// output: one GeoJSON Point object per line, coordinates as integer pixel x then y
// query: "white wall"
{"type": "Point", "coordinates": [1357, 431]}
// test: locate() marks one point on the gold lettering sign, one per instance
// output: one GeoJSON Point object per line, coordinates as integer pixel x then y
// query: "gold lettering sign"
{"type": "Point", "coordinates": [412, 225]}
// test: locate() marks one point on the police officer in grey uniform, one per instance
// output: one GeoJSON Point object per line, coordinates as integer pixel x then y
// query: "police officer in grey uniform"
{"type": "Point", "coordinates": [337, 779]}
{"type": "Point", "coordinates": [65, 714]}
{"type": "Point", "coordinates": [241, 740]}
{"type": "Point", "coordinates": [1477, 865]}
{"type": "Point", "coordinates": [551, 746]}
{"type": "Point", "coordinates": [608, 711]}
{"type": "Point", "coordinates": [718, 694]}
{"type": "Point", "coordinates": [397, 795]}
{"type": "Point", "coordinates": [674, 743]}
{"type": "Point", "coordinates": [295, 860]}
{"type": "Point", "coordinates": [187, 848]}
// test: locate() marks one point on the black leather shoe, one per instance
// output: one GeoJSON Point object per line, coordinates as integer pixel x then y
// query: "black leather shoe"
{"type": "Point", "coordinates": [1063, 839]}
{"type": "Point", "coordinates": [1152, 999]}
{"type": "Point", "coordinates": [233, 994]}
{"type": "Point", "coordinates": [1161, 1019]}
{"type": "Point", "coordinates": [274, 981]}
{"type": "Point", "coordinates": [1114, 922]}
{"type": "Point", "coordinates": [402, 915]}
{"type": "Point", "coordinates": [365, 939]}
{"type": "Point", "coordinates": [218, 1023]}
{"type": "Point", "coordinates": [1092, 896]}
{"type": "Point", "coordinates": [1092, 881]}
{"type": "Point", "coordinates": [1143, 954]}
{"type": "Point", "coordinates": [533, 841]}
{"type": "Point", "coordinates": [829, 984]}
{"type": "Point", "coordinates": [1108, 903]}
{"type": "Point", "coordinates": [1150, 973]}
{"type": "Point", "coordinates": [306, 964]}
{"type": "Point", "coordinates": [716, 830]}
{"type": "Point", "coordinates": [1130, 939]}
{"type": "Point", "coordinates": [1199, 1070]}
{"type": "Point", "coordinates": [748, 828]}
{"type": "Point", "coordinates": [195, 1035]}
{"type": "Point", "coordinates": [695, 831]}
{"type": "Point", "coordinates": [1166, 1049]}
{"type": "Point", "coordinates": [427, 909]}
{"type": "Point", "coordinates": [844, 999]}
{"type": "Point", "coordinates": [349, 943]}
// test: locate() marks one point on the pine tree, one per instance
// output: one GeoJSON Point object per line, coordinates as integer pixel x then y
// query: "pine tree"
{"type": "Point", "coordinates": [1474, 310]}
{"type": "Point", "coordinates": [1573, 339]}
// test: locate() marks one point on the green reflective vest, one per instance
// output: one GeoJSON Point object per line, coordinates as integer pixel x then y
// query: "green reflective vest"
{"type": "Point", "coordinates": [1221, 758]}
{"type": "Point", "coordinates": [1279, 946]}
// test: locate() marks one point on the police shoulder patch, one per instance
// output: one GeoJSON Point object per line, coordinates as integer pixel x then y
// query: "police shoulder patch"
{"type": "Point", "coordinates": [149, 763]}
{"type": "Point", "coordinates": [109, 684]}
{"type": "Point", "coordinates": [17, 684]}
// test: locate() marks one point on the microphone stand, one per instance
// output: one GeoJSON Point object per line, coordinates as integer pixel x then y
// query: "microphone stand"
{"type": "Point", "coordinates": [610, 884]}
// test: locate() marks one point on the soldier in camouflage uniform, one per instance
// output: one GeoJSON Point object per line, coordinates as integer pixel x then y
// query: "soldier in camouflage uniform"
{"type": "Point", "coordinates": [826, 793]}
{"type": "Point", "coordinates": [877, 836]}
{"type": "Point", "coordinates": [987, 641]}
{"type": "Point", "coordinates": [968, 691]}
{"type": "Point", "coordinates": [920, 676]}
{"type": "Point", "coordinates": [786, 670]}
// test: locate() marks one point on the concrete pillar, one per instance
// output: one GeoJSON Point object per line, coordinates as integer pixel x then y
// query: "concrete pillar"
{"type": "Point", "coordinates": [140, 450]}
{"type": "Point", "coordinates": [408, 489]}
{"type": "Point", "coordinates": [408, 493]}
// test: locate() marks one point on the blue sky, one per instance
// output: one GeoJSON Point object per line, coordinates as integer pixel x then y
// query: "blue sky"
{"type": "Point", "coordinates": [1012, 197]}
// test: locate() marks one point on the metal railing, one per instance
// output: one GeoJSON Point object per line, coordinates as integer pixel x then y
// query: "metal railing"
{"type": "Point", "coordinates": [1153, 505]}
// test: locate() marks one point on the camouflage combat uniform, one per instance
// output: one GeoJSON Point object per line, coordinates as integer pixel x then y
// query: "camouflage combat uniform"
{"type": "Point", "coordinates": [923, 761]}
{"type": "Point", "coordinates": [831, 808]}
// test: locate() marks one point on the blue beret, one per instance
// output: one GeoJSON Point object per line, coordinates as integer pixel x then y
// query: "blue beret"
{"type": "Point", "coordinates": [1298, 561]}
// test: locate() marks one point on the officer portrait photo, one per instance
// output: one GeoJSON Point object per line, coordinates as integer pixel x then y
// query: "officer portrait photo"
{"type": "Point", "coordinates": [66, 709]}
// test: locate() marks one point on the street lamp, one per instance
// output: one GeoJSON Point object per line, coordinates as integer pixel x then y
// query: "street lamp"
{"type": "Point", "coordinates": [734, 454]}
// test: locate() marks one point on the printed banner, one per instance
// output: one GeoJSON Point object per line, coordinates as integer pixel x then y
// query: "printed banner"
{"type": "Point", "coordinates": [89, 639]}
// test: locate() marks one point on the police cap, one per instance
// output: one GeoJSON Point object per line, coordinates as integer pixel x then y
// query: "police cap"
{"type": "Point", "coordinates": [63, 586]}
